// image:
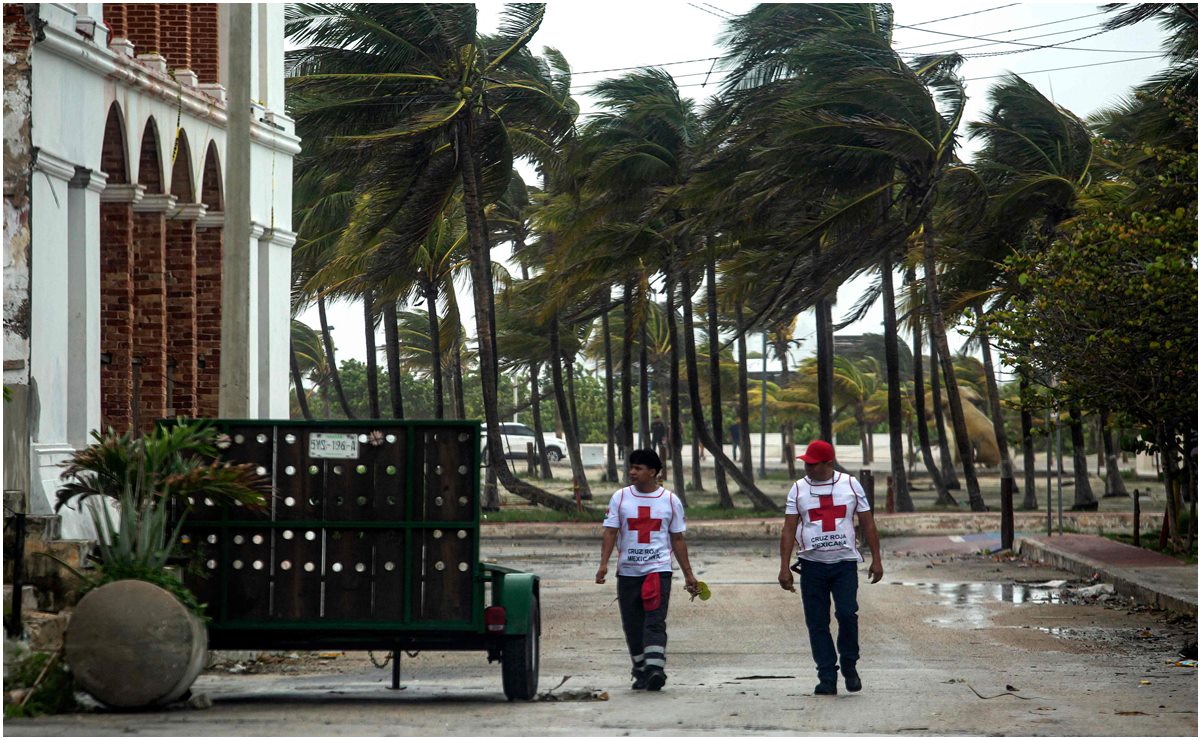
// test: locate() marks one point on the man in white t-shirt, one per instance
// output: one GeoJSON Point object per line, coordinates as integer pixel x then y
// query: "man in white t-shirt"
{"type": "Point", "coordinates": [819, 522]}
{"type": "Point", "coordinates": [645, 522]}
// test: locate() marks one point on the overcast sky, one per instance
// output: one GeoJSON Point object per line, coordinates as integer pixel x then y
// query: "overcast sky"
{"type": "Point", "coordinates": [682, 38]}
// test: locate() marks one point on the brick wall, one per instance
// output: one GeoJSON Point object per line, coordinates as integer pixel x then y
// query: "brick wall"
{"type": "Point", "coordinates": [206, 57]}
{"type": "Point", "coordinates": [116, 314]}
{"type": "Point", "coordinates": [114, 18]}
{"type": "Point", "coordinates": [181, 314]}
{"type": "Point", "coordinates": [209, 248]}
{"type": "Point", "coordinates": [150, 315]}
{"type": "Point", "coordinates": [16, 27]}
{"type": "Point", "coordinates": [175, 35]}
{"type": "Point", "coordinates": [142, 24]}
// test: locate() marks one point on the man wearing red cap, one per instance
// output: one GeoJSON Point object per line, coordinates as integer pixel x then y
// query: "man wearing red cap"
{"type": "Point", "coordinates": [819, 522]}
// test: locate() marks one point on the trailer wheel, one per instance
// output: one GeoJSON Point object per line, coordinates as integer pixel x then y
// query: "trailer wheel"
{"type": "Point", "coordinates": [519, 660]}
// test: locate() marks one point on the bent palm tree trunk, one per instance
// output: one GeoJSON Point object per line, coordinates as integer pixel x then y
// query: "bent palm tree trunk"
{"type": "Point", "coordinates": [569, 371]}
{"type": "Point", "coordinates": [758, 499]}
{"type": "Point", "coordinates": [372, 359]}
{"type": "Point", "coordinates": [392, 351]}
{"type": "Point", "coordinates": [536, 408]}
{"type": "Point", "coordinates": [723, 489]}
{"type": "Point", "coordinates": [744, 408]}
{"type": "Point", "coordinates": [1008, 486]}
{"type": "Point", "coordinates": [892, 362]}
{"type": "Point", "coordinates": [940, 427]}
{"type": "Point", "coordinates": [962, 441]}
{"type": "Point", "coordinates": [569, 428]}
{"type": "Point", "coordinates": [610, 456]}
{"type": "Point", "coordinates": [327, 341]}
{"type": "Point", "coordinates": [676, 433]}
{"type": "Point", "coordinates": [481, 280]}
{"type": "Point", "coordinates": [919, 407]}
{"type": "Point", "coordinates": [825, 369]}
{"type": "Point", "coordinates": [301, 400]}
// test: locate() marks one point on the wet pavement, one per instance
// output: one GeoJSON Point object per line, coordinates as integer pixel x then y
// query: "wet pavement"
{"type": "Point", "coordinates": [954, 642]}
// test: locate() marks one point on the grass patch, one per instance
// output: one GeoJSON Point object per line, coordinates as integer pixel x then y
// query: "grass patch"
{"type": "Point", "coordinates": [539, 514]}
{"type": "Point", "coordinates": [1150, 541]}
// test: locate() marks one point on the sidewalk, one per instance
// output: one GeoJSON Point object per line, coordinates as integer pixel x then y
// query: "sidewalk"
{"type": "Point", "coordinates": [1148, 576]}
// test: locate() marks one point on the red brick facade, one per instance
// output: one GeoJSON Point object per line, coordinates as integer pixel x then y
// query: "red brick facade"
{"type": "Point", "coordinates": [160, 277]}
{"type": "Point", "coordinates": [14, 18]}
{"type": "Point", "coordinates": [116, 315]}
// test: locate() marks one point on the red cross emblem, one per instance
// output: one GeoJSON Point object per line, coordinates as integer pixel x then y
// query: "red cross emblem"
{"type": "Point", "coordinates": [827, 513]}
{"type": "Point", "coordinates": [644, 525]}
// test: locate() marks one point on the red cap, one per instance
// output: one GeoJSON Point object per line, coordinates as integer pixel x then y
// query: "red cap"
{"type": "Point", "coordinates": [818, 451]}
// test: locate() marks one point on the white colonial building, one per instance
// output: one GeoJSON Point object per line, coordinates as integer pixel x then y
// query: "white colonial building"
{"type": "Point", "coordinates": [116, 243]}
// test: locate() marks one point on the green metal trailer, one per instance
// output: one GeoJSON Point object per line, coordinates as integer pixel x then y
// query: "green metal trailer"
{"type": "Point", "coordinates": [370, 541]}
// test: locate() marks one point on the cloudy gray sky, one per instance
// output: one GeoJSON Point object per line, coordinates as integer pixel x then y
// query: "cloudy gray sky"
{"type": "Point", "coordinates": [1085, 70]}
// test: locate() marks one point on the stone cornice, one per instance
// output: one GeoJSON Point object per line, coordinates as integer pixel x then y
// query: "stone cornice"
{"type": "Point", "coordinates": [211, 220]}
{"type": "Point", "coordinates": [53, 164]}
{"type": "Point", "coordinates": [194, 101]}
{"type": "Point", "coordinates": [122, 192]}
{"type": "Point", "coordinates": [279, 237]}
{"type": "Point", "coordinates": [155, 203]}
{"type": "Point", "coordinates": [257, 230]}
{"type": "Point", "coordinates": [188, 212]}
{"type": "Point", "coordinates": [93, 180]}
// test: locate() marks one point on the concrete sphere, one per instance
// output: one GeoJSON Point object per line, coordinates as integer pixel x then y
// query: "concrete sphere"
{"type": "Point", "coordinates": [133, 644]}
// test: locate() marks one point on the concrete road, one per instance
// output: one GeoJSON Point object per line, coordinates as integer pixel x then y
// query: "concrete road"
{"type": "Point", "coordinates": [944, 637]}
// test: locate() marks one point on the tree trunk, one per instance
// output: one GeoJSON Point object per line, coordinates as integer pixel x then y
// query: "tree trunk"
{"type": "Point", "coordinates": [481, 274]}
{"type": "Point", "coordinates": [460, 401]}
{"type": "Point", "coordinates": [744, 408]}
{"type": "Point", "coordinates": [561, 403]}
{"type": "Point", "coordinates": [536, 409]}
{"type": "Point", "coordinates": [431, 304]}
{"type": "Point", "coordinates": [950, 478]}
{"type": "Point", "coordinates": [758, 499]}
{"type": "Point", "coordinates": [1030, 499]}
{"type": "Point", "coordinates": [825, 368]}
{"type": "Point", "coordinates": [1114, 485]}
{"type": "Point", "coordinates": [328, 342]}
{"type": "Point", "coordinates": [675, 432]}
{"type": "Point", "coordinates": [892, 362]}
{"type": "Point", "coordinates": [715, 406]}
{"type": "Point", "coordinates": [610, 421]}
{"type": "Point", "coordinates": [644, 389]}
{"type": "Point", "coordinates": [944, 498]}
{"type": "Point", "coordinates": [697, 483]}
{"type": "Point", "coordinates": [1084, 489]}
{"type": "Point", "coordinates": [372, 358]}
{"type": "Point", "coordinates": [627, 371]}
{"type": "Point", "coordinates": [392, 352]}
{"type": "Point", "coordinates": [998, 425]}
{"type": "Point", "coordinates": [962, 441]}
{"type": "Point", "coordinates": [301, 400]}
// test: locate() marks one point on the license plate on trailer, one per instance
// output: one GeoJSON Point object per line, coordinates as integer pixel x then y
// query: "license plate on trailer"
{"type": "Point", "coordinates": [334, 446]}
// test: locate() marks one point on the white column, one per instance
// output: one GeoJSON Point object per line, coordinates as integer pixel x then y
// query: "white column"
{"type": "Point", "coordinates": [274, 287]}
{"type": "Point", "coordinates": [83, 297]}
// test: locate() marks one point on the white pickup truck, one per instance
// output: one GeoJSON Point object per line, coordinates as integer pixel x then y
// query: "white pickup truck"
{"type": "Point", "coordinates": [514, 437]}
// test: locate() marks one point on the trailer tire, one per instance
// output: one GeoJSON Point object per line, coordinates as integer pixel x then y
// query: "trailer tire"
{"type": "Point", "coordinates": [519, 660]}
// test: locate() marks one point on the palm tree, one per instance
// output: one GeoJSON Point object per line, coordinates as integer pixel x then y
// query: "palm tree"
{"type": "Point", "coordinates": [435, 125]}
{"type": "Point", "coordinates": [864, 128]}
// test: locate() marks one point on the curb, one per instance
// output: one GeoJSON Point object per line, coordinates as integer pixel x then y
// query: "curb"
{"type": "Point", "coordinates": [768, 528]}
{"type": "Point", "coordinates": [1123, 580]}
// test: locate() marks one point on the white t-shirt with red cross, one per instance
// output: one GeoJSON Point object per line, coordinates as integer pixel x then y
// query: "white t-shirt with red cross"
{"type": "Point", "coordinates": [825, 532]}
{"type": "Point", "coordinates": [645, 522]}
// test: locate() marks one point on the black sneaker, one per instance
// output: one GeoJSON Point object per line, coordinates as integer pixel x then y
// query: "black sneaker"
{"type": "Point", "coordinates": [851, 679]}
{"type": "Point", "coordinates": [640, 681]}
{"type": "Point", "coordinates": [826, 688]}
{"type": "Point", "coordinates": [655, 678]}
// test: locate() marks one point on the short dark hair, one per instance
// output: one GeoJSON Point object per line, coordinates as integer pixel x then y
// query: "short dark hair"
{"type": "Point", "coordinates": [649, 458]}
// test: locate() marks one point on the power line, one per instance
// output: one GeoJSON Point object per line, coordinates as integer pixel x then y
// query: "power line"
{"type": "Point", "coordinates": [1074, 66]}
{"type": "Point", "coordinates": [644, 66]}
{"type": "Point", "coordinates": [1010, 30]}
{"type": "Point", "coordinates": [964, 15]}
{"type": "Point", "coordinates": [1033, 47]}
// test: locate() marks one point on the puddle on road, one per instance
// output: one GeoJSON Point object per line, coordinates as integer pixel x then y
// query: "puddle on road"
{"type": "Point", "coordinates": [970, 599]}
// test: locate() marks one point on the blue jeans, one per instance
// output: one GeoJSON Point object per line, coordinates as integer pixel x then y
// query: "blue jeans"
{"type": "Point", "coordinates": [820, 582]}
